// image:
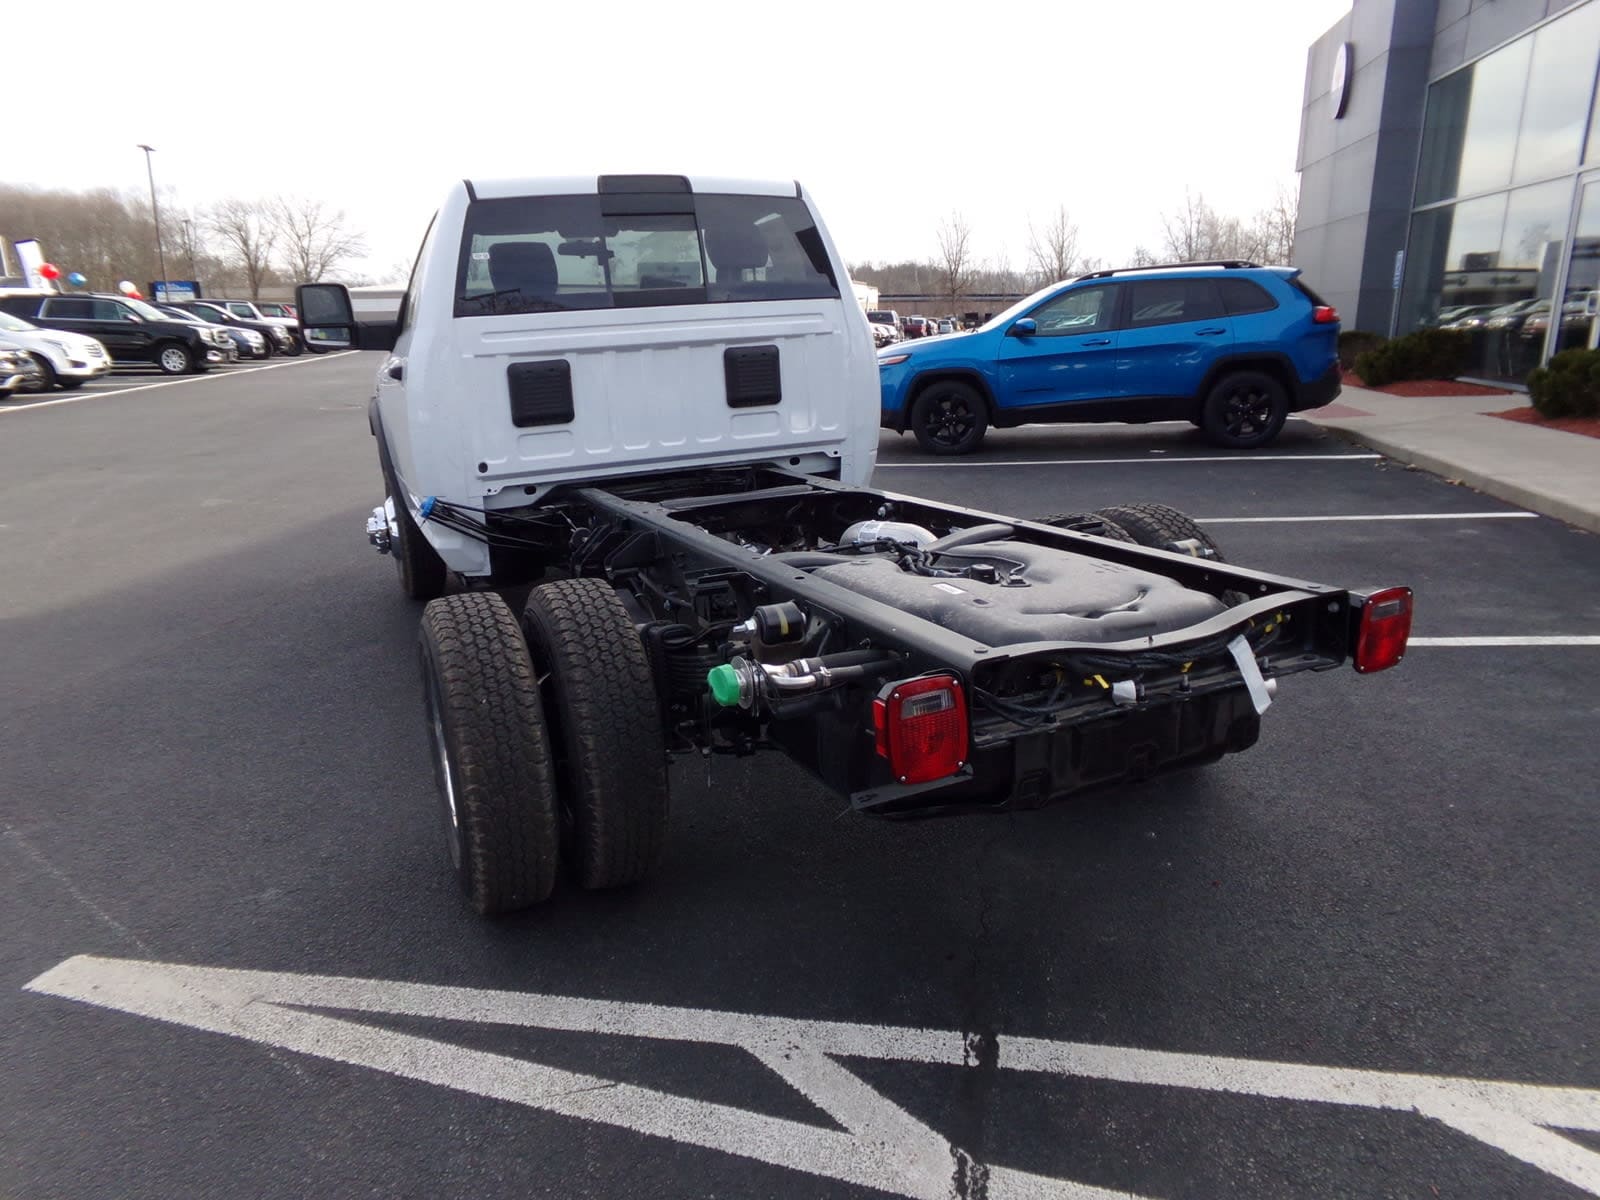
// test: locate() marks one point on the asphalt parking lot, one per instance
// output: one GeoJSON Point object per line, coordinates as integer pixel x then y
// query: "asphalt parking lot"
{"type": "Point", "coordinates": [1359, 960]}
{"type": "Point", "coordinates": [133, 377]}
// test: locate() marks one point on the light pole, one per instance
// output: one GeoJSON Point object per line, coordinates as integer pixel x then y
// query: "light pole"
{"type": "Point", "coordinates": [155, 211]}
{"type": "Point", "coordinates": [188, 238]}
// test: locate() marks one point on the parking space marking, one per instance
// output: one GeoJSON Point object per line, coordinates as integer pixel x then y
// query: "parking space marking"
{"type": "Point", "coordinates": [1472, 516]}
{"type": "Point", "coordinates": [941, 463]}
{"type": "Point", "coordinates": [882, 1145]}
{"type": "Point", "coordinates": [1513, 640]}
{"type": "Point", "coordinates": [145, 387]}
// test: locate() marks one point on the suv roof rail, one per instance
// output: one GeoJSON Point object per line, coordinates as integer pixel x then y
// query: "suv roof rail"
{"type": "Point", "coordinates": [1232, 264]}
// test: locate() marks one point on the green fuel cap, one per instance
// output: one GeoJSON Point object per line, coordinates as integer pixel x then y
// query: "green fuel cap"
{"type": "Point", "coordinates": [724, 684]}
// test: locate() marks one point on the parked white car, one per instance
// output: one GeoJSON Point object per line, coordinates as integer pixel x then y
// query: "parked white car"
{"type": "Point", "coordinates": [66, 360]}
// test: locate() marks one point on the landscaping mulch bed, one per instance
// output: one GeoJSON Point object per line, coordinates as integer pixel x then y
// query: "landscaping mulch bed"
{"type": "Point", "coordinates": [1587, 426]}
{"type": "Point", "coordinates": [1426, 387]}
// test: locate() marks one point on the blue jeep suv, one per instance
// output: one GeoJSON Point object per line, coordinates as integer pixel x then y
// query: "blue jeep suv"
{"type": "Point", "coordinates": [1230, 346]}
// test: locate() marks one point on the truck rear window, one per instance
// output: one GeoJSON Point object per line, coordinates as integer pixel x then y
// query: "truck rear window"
{"type": "Point", "coordinates": [554, 253]}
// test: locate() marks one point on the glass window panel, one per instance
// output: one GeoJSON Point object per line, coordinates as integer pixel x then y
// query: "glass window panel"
{"type": "Point", "coordinates": [1470, 127]}
{"type": "Point", "coordinates": [1450, 262]}
{"type": "Point", "coordinates": [1443, 128]}
{"type": "Point", "coordinates": [1498, 82]}
{"type": "Point", "coordinates": [1082, 310]}
{"type": "Point", "coordinates": [1592, 153]}
{"type": "Point", "coordinates": [1512, 338]}
{"type": "Point", "coordinates": [1580, 303]}
{"type": "Point", "coordinates": [1560, 79]}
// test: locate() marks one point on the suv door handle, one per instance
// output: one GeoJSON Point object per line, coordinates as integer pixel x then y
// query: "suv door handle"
{"type": "Point", "coordinates": [1212, 332]}
{"type": "Point", "coordinates": [1097, 342]}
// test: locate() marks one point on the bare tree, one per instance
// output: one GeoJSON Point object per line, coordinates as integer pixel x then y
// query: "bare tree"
{"type": "Point", "coordinates": [1053, 250]}
{"type": "Point", "coordinates": [1186, 232]}
{"type": "Point", "coordinates": [1197, 232]}
{"type": "Point", "coordinates": [106, 235]}
{"type": "Point", "coordinates": [1273, 230]}
{"type": "Point", "coordinates": [955, 268]}
{"type": "Point", "coordinates": [314, 240]}
{"type": "Point", "coordinates": [247, 236]}
{"type": "Point", "coordinates": [1141, 257]}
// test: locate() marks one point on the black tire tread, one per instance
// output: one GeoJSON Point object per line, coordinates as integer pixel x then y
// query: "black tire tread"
{"type": "Point", "coordinates": [1108, 529]}
{"type": "Point", "coordinates": [604, 710]}
{"type": "Point", "coordinates": [1210, 422]}
{"type": "Point", "coordinates": [506, 782]}
{"type": "Point", "coordinates": [1158, 525]}
{"type": "Point", "coordinates": [48, 371]}
{"type": "Point", "coordinates": [423, 574]}
{"type": "Point", "coordinates": [924, 401]}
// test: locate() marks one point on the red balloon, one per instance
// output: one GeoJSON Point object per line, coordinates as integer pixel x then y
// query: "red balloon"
{"type": "Point", "coordinates": [134, 296]}
{"type": "Point", "coordinates": [49, 271]}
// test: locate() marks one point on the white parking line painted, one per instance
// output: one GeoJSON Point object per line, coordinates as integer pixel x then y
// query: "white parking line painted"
{"type": "Point", "coordinates": [1475, 516]}
{"type": "Point", "coordinates": [75, 397]}
{"type": "Point", "coordinates": [1514, 640]}
{"type": "Point", "coordinates": [941, 463]}
{"type": "Point", "coordinates": [882, 1145]}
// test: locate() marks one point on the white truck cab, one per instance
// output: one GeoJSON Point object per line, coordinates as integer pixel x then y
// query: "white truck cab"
{"type": "Point", "coordinates": [559, 331]}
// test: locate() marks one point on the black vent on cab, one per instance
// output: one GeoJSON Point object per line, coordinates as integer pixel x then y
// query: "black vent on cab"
{"type": "Point", "coordinates": [752, 374]}
{"type": "Point", "coordinates": [541, 392]}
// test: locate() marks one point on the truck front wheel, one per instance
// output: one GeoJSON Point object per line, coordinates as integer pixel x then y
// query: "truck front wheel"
{"type": "Point", "coordinates": [605, 725]}
{"type": "Point", "coordinates": [423, 575]}
{"type": "Point", "coordinates": [491, 752]}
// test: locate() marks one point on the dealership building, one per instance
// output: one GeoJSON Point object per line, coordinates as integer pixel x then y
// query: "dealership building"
{"type": "Point", "coordinates": [1450, 173]}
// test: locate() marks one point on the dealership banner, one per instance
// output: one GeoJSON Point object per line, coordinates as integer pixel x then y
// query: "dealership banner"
{"type": "Point", "coordinates": [171, 291]}
{"type": "Point", "coordinates": [30, 258]}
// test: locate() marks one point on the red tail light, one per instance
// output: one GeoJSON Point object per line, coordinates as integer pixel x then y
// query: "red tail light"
{"type": "Point", "coordinates": [1385, 628]}
{"type": "Point", "coordinates": [922, 727]}
{"type": "Point", "coordinates": [1325, 314]}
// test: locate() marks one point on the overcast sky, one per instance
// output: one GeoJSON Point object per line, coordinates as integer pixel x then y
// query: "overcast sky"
{"type": "Point", "coordinates": [892, 114]}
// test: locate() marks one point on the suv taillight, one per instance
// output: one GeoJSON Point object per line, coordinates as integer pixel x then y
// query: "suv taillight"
{"type": "Point", "coordinates": [1325, 314]}
{"type": "Point", "coordinates": [1385, 628]}
{"type": "Point", "coordinates": [921, 726]}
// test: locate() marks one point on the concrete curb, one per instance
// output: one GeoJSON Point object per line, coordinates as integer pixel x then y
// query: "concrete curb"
{"type": "Point", "coordinates": [1501, 489]}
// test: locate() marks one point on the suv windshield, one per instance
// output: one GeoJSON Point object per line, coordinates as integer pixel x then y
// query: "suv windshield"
{"type": "Point", "coordinates": [16, 324]}
{"type": "Point", "coordinates": [553, 253]}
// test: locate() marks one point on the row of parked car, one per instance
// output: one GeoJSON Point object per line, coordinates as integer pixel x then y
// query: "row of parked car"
{"type": "Point", "coordinates": [889, 326]}
{"type": "Point", "coordinates": [52, 340]}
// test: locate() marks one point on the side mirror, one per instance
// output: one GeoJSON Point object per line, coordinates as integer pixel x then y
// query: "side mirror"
{"type": "Point", "coordinates": [1023, 327]}
{"type": "Point", "coordinates": [327, 321]}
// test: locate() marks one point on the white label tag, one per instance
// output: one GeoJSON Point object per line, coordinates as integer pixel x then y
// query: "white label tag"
{"type": "Point", "coordinates": [951, 588]}
{"type": "Point", "coordinates": [1251, 670]}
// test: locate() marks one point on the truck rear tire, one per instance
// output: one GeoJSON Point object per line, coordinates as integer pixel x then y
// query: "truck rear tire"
{"type": "Point", "coordinates": [1092, 523]}
{"type": "Point", "coordinates": [491, 752]}
{"type": "Point", "coordinates": [605, 725]}
{"type": "Point", "coordinates": [1159, 525]}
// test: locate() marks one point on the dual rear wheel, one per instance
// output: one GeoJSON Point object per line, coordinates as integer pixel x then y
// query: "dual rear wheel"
{"type": "Point", "coordinates": [547, 741]}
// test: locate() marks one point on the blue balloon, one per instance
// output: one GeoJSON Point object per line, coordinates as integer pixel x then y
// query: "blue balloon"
{"type": "Point", "coordinates": [77, 279]}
